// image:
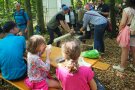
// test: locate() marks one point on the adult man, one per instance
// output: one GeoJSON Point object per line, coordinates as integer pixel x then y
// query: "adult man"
{"type": "Point", "coordinates": [80, 14]}
{"type": "Point", "coordinates": [72, 17]}
{"type": "Point", "coordinates": [12, 49]}
{"type": "Point", "coordinates": [22, 20]}
{"type": "Point", "coordinates": [103, 8]}
{"type": "Point", "coordinates": [100, 23]}
{"type": "Point", "coordinates": [56, 21]}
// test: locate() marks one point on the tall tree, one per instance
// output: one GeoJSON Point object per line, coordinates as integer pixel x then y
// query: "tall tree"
{"type": "Point", "coordinates": [72, 3]}
{"type": "Point", "coordinates": [28, 9]}
{"type": "Point", "coordinates": [40, 15]}
{"type": "Point", "coordinates": [113, 19]}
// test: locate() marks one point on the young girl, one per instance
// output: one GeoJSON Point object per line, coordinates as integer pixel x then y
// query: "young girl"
{"type": "Point", "coordinates": [38, 70]}
{"type": "Point", "coordinates": [70, 74]}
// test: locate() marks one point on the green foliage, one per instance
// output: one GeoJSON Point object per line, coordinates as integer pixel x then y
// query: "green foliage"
{"type": "Point", "coordinates": [6, 13]}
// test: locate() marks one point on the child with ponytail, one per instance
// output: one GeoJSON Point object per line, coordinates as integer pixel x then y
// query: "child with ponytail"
{"type": "Point", "coordinates": [70, 74]}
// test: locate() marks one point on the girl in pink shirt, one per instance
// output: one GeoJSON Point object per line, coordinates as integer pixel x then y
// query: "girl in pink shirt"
{"type": "Point", "coordinates": [70, 74]}
{"type": "Point", "coordinates": [38, 71]}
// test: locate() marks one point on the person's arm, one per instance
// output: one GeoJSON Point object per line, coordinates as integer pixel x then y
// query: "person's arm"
{"type": "Point", "coordinates": [92, 84]}
{"type": "Point", "coordinates": [28, 21]}
{"type": "Point", "coordinates": [105, 13]}
{"type": "Point", "coordinates": [91, 81]}
{"type": "Point", "coordinates": [106, 10]}
{"type": "Point", "coordinates": [64, 25]}
{"type": "Point", "coordinates": [44, 66]}
{"type": "Point", "coordinates": [85, 22]}
{"type": "Point", "coordinates": [123, 20]}
{"type": "Point", "coordinates": [24, 48]}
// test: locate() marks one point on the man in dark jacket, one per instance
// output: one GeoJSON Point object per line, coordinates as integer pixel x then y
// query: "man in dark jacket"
{"type": "Point", "coordinates": [103, 8]}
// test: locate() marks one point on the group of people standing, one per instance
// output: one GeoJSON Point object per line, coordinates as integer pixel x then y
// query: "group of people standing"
{"type": "Point", "coordinates": [80, 20]}
{"type": "Point", "coordinates": [14, 64]}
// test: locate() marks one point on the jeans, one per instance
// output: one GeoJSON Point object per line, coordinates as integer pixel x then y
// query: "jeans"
{"type": "Point", "coordinates": [51, 33]}
{"type": "Point", "coordinates": [99, 31]}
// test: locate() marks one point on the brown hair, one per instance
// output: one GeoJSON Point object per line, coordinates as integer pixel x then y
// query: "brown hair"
{"type": "Point", "coordinates": [71, 50]}
{"type": "Point", "coordinates": [34, 42]}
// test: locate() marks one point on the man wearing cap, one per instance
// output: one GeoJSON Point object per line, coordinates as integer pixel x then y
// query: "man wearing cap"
{"type": "Point", "coordinates": [12, 48]}
{"type": "Point", "coordinates": [56, 21]}
{"type": "Point", "coordinates": [100, 23]}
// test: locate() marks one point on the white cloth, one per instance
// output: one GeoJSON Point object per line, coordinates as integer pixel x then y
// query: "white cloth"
{"type": "Point", "coordinates": [67, 18]}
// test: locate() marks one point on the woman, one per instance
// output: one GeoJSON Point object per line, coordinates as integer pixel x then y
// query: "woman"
{"type": "Point", "coordinates": [126, 20]}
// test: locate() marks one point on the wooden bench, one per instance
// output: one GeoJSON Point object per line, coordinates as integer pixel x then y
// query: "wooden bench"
{"type": "Point", "coordinates": [56, 53]}
{"type": "Point", "coordinates": [19, 84]}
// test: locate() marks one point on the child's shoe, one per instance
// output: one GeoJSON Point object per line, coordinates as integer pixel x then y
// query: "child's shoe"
{"type": "Point", "coordinates": [118, 68]}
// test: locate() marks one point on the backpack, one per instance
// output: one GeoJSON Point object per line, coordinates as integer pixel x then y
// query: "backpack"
{"type": "Point", "coordinates": [22, 14]}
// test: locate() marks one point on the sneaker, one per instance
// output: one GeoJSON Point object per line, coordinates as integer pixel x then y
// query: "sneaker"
{"type": "Point", "coordinates": [131, 66]}
{"type": "Point", "coordinates": [118, 68]}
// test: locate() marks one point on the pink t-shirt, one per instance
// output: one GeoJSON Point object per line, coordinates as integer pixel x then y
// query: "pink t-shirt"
{"type": "Point", "coordinates": [77, 81]}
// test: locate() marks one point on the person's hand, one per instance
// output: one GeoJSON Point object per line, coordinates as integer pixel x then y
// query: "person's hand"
{"type": "Point", "coordinates": [48, 51]}
{"type": "Point", "coordinates": [72, 31]}
{"type": "Point", "coordinates": [81, 30]}
{"type": "Point", "coordinates": [26, 30]}
{"type": "Point", "coordinates": [20, 34]}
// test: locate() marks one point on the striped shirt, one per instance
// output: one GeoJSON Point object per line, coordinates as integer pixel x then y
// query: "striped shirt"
{"type": "Point", "coordinates": [94, 18]}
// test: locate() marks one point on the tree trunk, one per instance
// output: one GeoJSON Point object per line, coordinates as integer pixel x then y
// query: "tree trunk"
{"type": "Point", "coordinates": [40, 15]}
{"type": "Point", "coordinates": [72, 3]}
{"type": "Point", "coordinates": [28, 9]}
{"type": "Point", "coordinates": [113, 19]}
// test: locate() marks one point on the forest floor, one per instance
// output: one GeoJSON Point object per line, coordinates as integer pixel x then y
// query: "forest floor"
{"type": "Point", "coordinates": [108, 78]}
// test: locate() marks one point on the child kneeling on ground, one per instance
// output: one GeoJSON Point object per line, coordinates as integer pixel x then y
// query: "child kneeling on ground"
{"type": "Point", "coordinates": [38, 71]}
{"type": "Point", "coordinates": [70, 74]}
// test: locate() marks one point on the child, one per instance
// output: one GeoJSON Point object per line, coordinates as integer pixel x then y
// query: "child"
{"type": "Point", "coordinates": [70, 74]}
{"type": "Point", "coordinates": [38, 70]}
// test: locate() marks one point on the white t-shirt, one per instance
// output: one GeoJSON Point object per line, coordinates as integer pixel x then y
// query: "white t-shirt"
{"type": "Point", "coordinates": [72, 16]}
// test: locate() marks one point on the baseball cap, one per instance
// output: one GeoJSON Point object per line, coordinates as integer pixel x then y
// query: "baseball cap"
{"type": "Point", "coordinates": [65, 8]}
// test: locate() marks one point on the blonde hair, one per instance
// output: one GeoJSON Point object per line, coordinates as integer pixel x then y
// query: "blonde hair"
{"type": "Point", "coordinates": [34, 42]}
{"type": "Point", "coordinates": [71, 49]}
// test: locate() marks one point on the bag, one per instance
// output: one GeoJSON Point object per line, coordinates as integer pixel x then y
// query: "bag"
{"type": "Point", "coordinates": [123, 38]}
{"type": "Point", "coordinates": [132, 26]}
{"type": "Point", "coordinates": [21, 14]}
{"type": "Point", "coordinates": [93, 54]}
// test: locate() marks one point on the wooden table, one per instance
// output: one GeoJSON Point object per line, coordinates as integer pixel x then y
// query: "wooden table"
{"type": "Point", "coordinates": [56, 53]}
